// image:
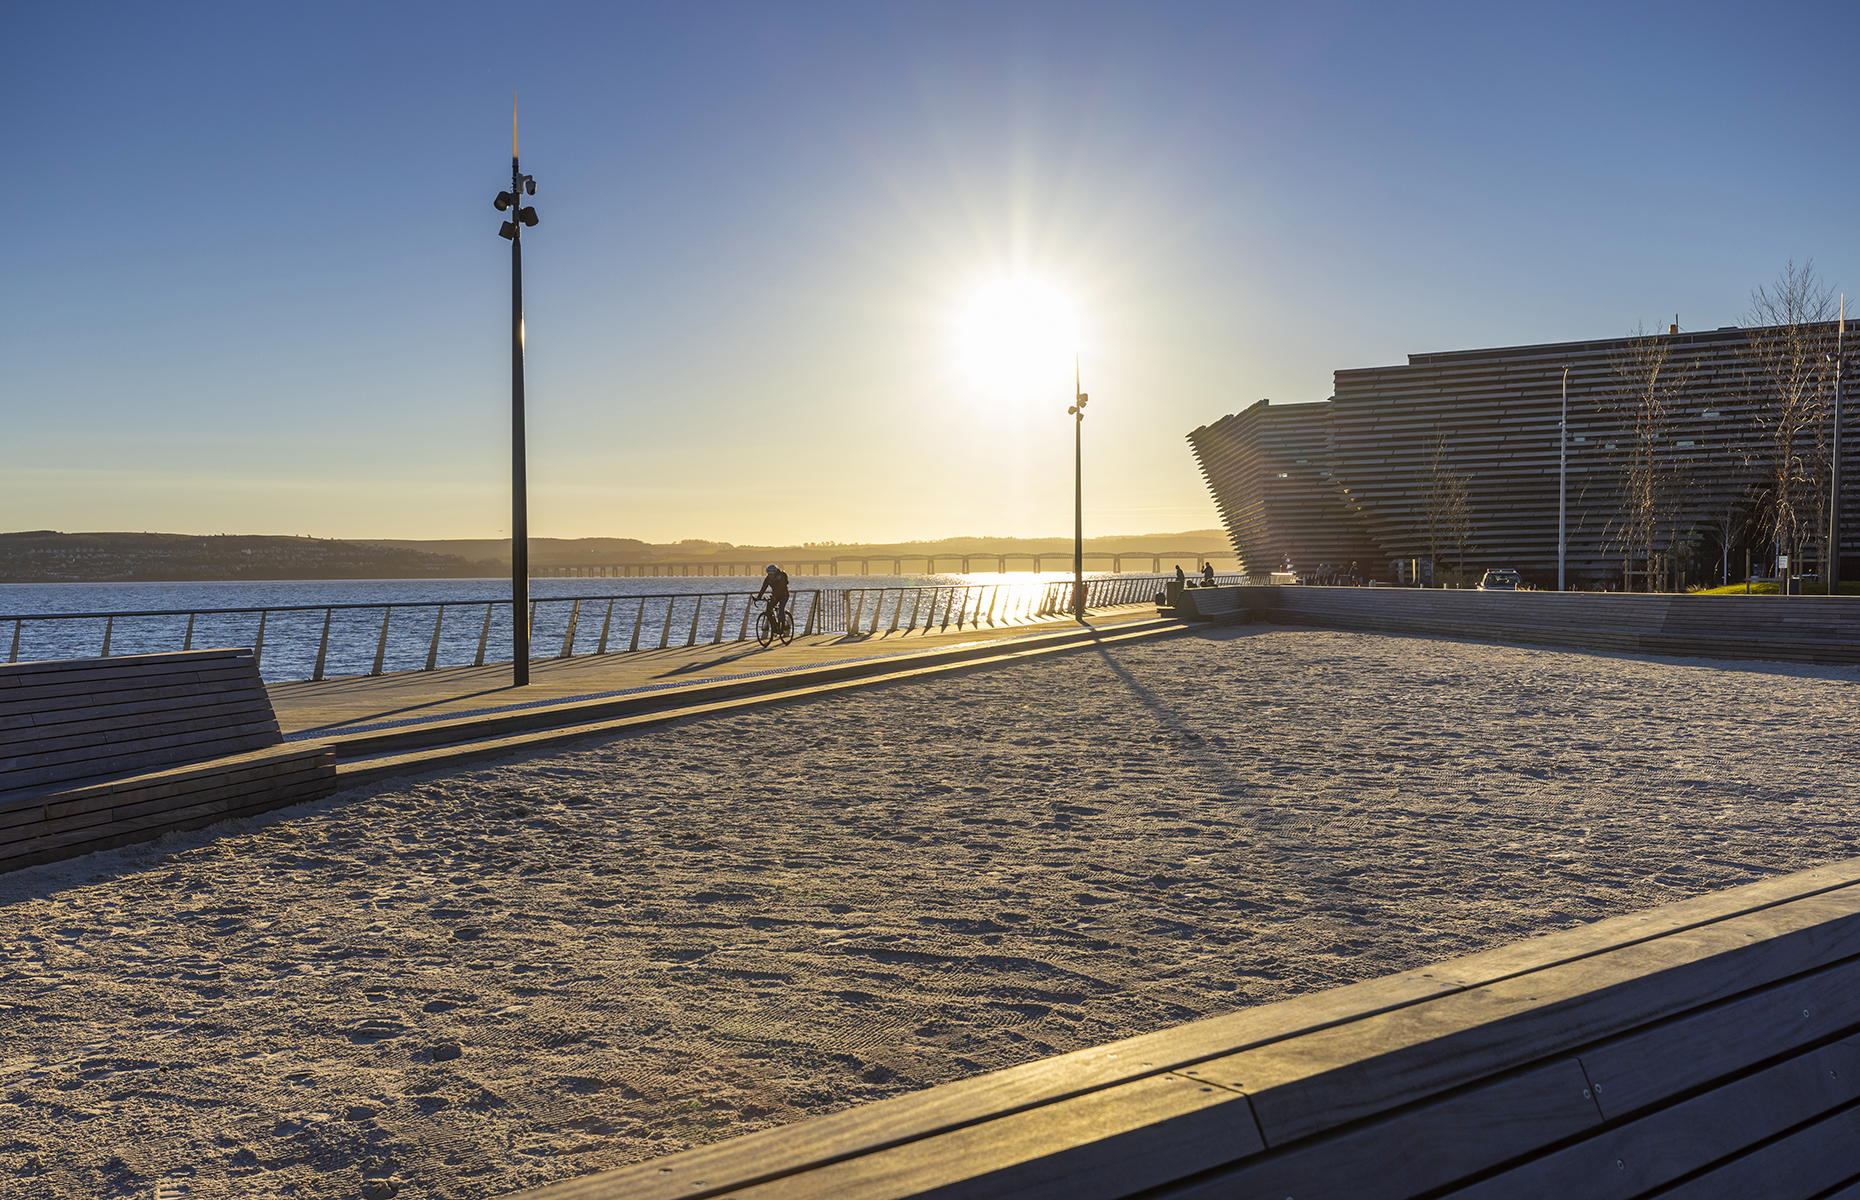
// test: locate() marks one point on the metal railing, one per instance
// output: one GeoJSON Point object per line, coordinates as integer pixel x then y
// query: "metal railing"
{"type": "Point", "coordinates": [364, 639]}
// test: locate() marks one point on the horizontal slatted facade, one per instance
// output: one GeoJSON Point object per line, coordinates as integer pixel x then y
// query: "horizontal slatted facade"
{"type": "Point", "coordinates": [1497, 412]}
{"type": "Point", "coordinates": [1270, 472]}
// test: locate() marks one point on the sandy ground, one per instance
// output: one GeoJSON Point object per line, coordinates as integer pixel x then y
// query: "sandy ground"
{"type": "Point", "coordinates": [470, 983]}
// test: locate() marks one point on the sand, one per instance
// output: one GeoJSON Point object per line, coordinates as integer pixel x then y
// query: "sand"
{"type": "Point", "coordinates": [469, 983]}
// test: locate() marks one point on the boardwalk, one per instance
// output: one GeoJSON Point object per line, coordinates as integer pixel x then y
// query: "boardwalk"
{"type": "Point", "coordinates": [334, 707]}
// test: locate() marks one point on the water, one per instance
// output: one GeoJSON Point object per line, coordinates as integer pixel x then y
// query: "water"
{"type": "Point", "coordinates": [654, 611]}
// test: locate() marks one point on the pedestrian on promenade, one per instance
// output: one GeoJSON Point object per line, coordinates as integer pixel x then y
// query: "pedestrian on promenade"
{"type": "Point", "coordinates": [1180, 578]}
{"type": "Point", "coordinates": [1207, 574]}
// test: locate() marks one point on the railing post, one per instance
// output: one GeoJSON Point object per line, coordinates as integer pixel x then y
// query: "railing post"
{"type": "Point", "coordinates": [917, 601]}
{"type": "Point", "coordinates": [813, 611]}
{"type": "Point", "coordinates": [665, 631]}
{"type": "Point", "coordinates": [187, 643]}
{"type": "Point", "coordinates": [854, 612]}
{"type": "Point", "coordinates": [697, 610]}
{"type": "Point", "coordinates": [258, 650]}
{"type": "Point", "coordinates": [568, 635]}
{"type": "Point", "coordinates": [109, 627]}
{"type": "Point", "coordinates": [723, 610]}
{"type": "Point", "coordinates": [432, 650]}
{"type": "Point", "coordinates": [639, 617]}
{"type": "Point", "coordinates": [742, 631]}
{"type": "Point", "coordinates": [14, 656]}
{"type": "Point", "coordinates": [897, 610]}
{"type": "Point", "coordinates": [484, 635]}
{"type": "Point", "coordinates": [992, 597]}
{"type": "Point", "coordinates": [381, 646]}
{"type": "Point", "coordinates": [322, 647]}
{"type": "Point", "coordinates": [606, 623]}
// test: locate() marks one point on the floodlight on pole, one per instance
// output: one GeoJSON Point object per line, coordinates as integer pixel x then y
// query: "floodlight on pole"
{"type": "Point", "coordinates": [521, 185]}
{"type": "Point", "coordinates": [1078, 493]}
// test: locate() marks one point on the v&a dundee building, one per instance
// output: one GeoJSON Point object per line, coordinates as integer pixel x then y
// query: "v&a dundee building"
{"type": "Point", "coordinates": [1369, 475]}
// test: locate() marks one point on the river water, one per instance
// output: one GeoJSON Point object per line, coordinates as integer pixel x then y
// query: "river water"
{"type": "Point", "coordinates": [635, 613]}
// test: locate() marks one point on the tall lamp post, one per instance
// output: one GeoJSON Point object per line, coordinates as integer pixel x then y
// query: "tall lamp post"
{"type": "Point", "coordinates": [512, 230]}
{"type": "Point", "coordinates": [1078, 493]}
{"type": "Point", "coordinates": [1562, 482]}
{"type": "Point", "coordinates": [1834, 501]}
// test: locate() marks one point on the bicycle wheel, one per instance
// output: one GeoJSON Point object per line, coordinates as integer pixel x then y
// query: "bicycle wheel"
{"type": "Point", "coordinates": [785, 628]}
{"type": "Point", "coordinates": [765, 629]}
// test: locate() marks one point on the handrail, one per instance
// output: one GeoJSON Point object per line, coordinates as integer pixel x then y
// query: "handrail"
{"type": "Point", "coordinates": [646, 621]}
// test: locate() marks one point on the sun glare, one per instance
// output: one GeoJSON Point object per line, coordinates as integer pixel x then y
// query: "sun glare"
{"type": "Point", "coordinates": [1016, 338]}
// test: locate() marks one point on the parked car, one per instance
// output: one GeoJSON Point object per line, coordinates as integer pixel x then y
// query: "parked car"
{"type": "Point", "coordinates": [1500, 581]}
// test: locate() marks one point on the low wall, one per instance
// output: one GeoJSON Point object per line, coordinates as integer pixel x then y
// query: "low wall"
{"type": "Point", "coordinates": [1817, 629]}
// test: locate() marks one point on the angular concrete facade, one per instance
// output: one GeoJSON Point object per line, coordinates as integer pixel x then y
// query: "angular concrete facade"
{"type": "Point", "coordinates": [1349, 478]}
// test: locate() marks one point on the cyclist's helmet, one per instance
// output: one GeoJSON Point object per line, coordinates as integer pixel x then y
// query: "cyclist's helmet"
{"type": "Point", "coordinates": [773, 569]}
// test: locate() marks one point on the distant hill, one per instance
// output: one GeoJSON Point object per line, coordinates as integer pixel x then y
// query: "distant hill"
{"type": "Point", "coordinates": [47, 556]}
{"type": "Point", "coordinates": [571, 552]}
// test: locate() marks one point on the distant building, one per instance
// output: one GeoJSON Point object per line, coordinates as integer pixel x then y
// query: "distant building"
{"type": "Point", "coordinates": [1685, 421]}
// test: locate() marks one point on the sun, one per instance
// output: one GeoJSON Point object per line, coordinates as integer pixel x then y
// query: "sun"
{"type": "Point", "coordinates": [1016, 337]}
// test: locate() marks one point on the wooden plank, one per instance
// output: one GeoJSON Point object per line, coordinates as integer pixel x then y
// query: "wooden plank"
{"type": "Point", "coordinates": [1798, 1167]}
{"type": "Point", "coordinates": [1647, 1066]}
{"type": "Point", "coordinates": [151, 717]}
{"type": "Point", "coordinates": [19, 855]}
{"type": "Point", "coordinates": [117, 804]}
{"type": "Point", "coordinates": [1096, 1147]}
{"type": "Point", "coordinates": [1330, 1077]}
{"type": "Point", "coordinates": [27, 670]}
{"type": "Point", "coordinates": [103, 694]}
{"type": "Point", "coordinates": [1422, 1148]}
{"type": "Point", "coordinates": [195, 809]}
{"type": "Point", "coordinates": [1670, 1143]}
{"type": "Point", "coordinates": [143, 754]}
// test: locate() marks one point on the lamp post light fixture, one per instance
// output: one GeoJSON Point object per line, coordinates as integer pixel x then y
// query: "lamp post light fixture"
{"type": "Point", "coordinates": [512, 230]}
{"type": "Point", "coordinates": [1077, 412]}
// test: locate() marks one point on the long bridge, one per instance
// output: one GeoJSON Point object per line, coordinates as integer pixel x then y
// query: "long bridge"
{"type": "Point", "coordinates": [1027, 561]}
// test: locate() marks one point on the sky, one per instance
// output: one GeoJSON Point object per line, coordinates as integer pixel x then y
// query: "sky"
{"type": "Point", "coordinates": [253, 282]}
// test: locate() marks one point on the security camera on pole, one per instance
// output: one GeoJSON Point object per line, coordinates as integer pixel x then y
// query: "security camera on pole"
{"type": "Point", "coordinates": [520, 186]}
{"type": "Point", "coordinates": [1078, 494]}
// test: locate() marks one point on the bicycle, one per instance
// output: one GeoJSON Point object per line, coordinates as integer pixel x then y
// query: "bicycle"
{"type": "Point", "coordinates": [773, 623]}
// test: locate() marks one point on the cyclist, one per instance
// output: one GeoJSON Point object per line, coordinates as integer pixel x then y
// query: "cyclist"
{"type": "Point", "coordinates": [775, 583]}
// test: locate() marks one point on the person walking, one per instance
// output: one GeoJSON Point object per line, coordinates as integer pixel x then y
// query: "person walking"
{"type": "Point", "coordinates": [1207, 574]}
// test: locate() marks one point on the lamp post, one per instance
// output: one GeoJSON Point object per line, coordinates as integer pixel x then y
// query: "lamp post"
{"type": "Point", "coordinates": [1834, 500]}
{"type": "Point", "coordinates": [512, 230]}
{"type": "Point", "coordinates": [1078, 493]}
{"type": "Point", "coordinates": [1562, 482]}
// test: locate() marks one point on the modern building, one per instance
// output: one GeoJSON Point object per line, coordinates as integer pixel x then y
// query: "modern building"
{"type": "Point", "coordinates": [1672, 453]}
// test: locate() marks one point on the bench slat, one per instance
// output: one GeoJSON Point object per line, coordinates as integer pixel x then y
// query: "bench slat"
{"type": "Point", "coordinates": [1646, 1067]}
{"type": "Point", "coordinates": [1423, 1148]}
{"type": "Point", "coordinates": [1333, 1076]}
{"type": "Point", "coordinates": [1094, 1147]}
{"type": "Point", "coordinates": [1633, 1159]}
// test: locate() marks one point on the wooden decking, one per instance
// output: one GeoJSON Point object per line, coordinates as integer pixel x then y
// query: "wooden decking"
{"type": "Point", "coordinates": [1711, 1047]}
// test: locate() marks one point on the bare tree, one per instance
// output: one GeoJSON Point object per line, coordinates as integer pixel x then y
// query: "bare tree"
{"type": "Point", "coordinates": [1654, 475]}
{"type": "Point", "coordinates": [1791, 393]}
{"type": "Point", "coordinates": [1448, 507]}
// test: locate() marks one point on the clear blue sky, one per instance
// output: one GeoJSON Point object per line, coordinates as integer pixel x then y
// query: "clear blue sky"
{"type": "Point", "coordinates": [253, 282]}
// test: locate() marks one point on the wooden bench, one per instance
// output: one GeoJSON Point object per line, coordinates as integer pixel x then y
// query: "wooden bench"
{"type": "Point", "coordinates": [102, 752]}
{"type": "Point", "coordinates": [1710, 1048]}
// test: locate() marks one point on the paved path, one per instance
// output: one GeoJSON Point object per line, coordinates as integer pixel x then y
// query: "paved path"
{"type": "Point", "coordinates": [332, 708]}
